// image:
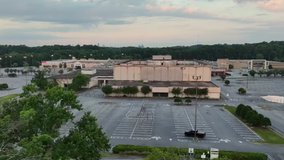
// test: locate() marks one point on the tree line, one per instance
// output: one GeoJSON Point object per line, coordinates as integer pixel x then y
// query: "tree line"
{"type": "Point", "coordinates": [20, 54]}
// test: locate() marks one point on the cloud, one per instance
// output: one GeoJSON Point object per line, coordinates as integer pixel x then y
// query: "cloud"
{"type": "Point", "coordinates": [94, 12]}
{"type": "Point", "coordinates": [272, 5]}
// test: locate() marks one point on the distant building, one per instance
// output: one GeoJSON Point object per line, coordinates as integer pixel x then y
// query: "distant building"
{"type": "Point", "coordinates": [99, 77]}
{"type": "Point", "coordinates": [256, 64]}
{"type": "Point", "coordinates": [83, 63]}
{"type": "Point", "coordinates": [162, 74]}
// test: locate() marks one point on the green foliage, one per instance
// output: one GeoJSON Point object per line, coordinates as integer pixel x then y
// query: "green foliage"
{"type": "Point", "coordinates": [60, 71]}
{"type": "Point", "coordinates": [244, 111]}
{"type": "Point", "coordinates": [51, 83]}
{"type": "Point", "coordinates": [270, 66]}
{"type": "Point", "coordinates": [223, 76]}
{"type": "Point", "coordinates": [4, 86]}
{"type": "Point", "coordinates": [248, 115]}
{"type": "Point", "coordinates": [107, 89]}
{"type": "Point", "coordinates": [187, 100]}
{"type": "Point", "coordinates": [176, 91]}
{"type": "Point", "coordinates": [255, 121]}
{"type": "Point", "coordinates": [268, 73]}
{"type": "Point", "coordinates": [266, 122]}
{"type": "Point", "coordinates": [33, 122]}
{"type": "Point", "coordinates": [12, 74]}
{"type": "Point", "coordinates": [130, 90]}
{"type": "Point", "coordinates": [145, 90]}
{"type": "Point", "coordinates": [39, 79]}
{"type": "Point", "coordinates": [242, 91]}
{"type": "Point", "coordinates": [60, 65]}
{"type": "Point", "coordinates": [148, 150]}
{"type": "Point", "coordinates": [252, 73]}
{"type": "Point", "coordinates": [239, 108]}
{"type": "Point", "coordinates": [178, 100]}
{"type": "Point", "coordinates": [227, 82]}
{"type": "Point", "coordinates": [78, 81]}
{"type": "Point", "coordinates": [85, 141]}
{"type": "Point", "coordinates": [231, 66]}
{"type": "Point", "coordinates": [116, 90]}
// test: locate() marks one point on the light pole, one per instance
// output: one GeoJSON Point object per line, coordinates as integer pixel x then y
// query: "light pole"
{"type": "Point", "coordinates": [196, 78]}
{"type": "Point", "coordinates": [24, 64]}
{"type": "Point", "coordinates": [70, 56]}
{"type": "Point", "coordinates": [52, 57]}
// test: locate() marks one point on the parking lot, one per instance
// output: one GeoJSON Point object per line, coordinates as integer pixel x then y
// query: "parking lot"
{"type": "Point", "coordinates": [160, 119]}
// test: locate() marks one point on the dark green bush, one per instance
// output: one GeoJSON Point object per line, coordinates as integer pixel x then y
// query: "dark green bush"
{"type": "Point", "coordinates": [12, 75]}
{"type": "Point", "coordinates": [137, 149]}
{"type": "Point", "coordinates": [4, 86]}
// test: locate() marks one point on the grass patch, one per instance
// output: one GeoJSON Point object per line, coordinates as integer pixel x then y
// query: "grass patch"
{"type": "Point", "coordinates": [2, 99]}
{"type": "Point", "coordinates": [268, 135]}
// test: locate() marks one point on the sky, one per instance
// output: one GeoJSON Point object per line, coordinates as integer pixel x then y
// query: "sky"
{"type": "Point", "coordinates": [153, 23]}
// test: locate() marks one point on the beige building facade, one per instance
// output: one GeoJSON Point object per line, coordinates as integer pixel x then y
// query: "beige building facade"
{"type": "Point", "coordinates": [162, 74]}
{"type": "Point", "coordinates": [256, 64]}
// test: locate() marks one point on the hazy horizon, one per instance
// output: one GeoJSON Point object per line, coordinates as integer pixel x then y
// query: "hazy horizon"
{"type": "Point", "coordinates": [153, 23]}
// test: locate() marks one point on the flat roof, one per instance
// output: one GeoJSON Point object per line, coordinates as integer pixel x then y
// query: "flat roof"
{"type": "Point", "coordinates": [162, 83]}
{"type": "Point", "coordinates": [100, 72]}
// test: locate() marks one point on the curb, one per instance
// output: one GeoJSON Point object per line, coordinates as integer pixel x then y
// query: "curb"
{"type": "Point", "coordinates": [277, 132]}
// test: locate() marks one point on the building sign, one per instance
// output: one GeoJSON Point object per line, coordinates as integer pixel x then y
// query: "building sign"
{"type": "Point", "coordinates": [43, 62]}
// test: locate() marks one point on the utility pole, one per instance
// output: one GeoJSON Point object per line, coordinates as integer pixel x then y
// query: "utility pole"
{"type": "Point", "coordinates": [196, 78]}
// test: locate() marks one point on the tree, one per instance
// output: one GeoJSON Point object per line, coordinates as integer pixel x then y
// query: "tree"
{"type": "Point", "coordinates": [145, 90]}
{"type": "Point", "coordinates": [223, 76]}
{"type": "Point", "coordinates": [78, 81]}
{"type": "Point", "coordinates": [178, 100]}
{"type": "Point", "coordinates": [244, 111]}
{"type": "Point", "coordinates": [60, 65]}
{"type": "Point", "coordinates": [255, 121]}
{"type": "Point", "coordinates": [239, 108]}
{"type": "Point", "coordinates": [259, 56]}
{"type": "Point", "coordinates": [107, 89]}
{"type": "Point", "coordinates": [32, 122]}
{"type": "Point", "coordinates": [231, 66]}
{"type": "Point", "coordinates": [266, 122]}
{"type": "Point", "coordinates": [157, 154]}
{"type": "Point", "coordinates": [261, 117]}
{"type": "Point", "coordinates": [39, 79]}
{"type": "Point", "coordinates": [64, 65]}
{"type": "Point", "coordinates": [60, 71]}
{"type": "Point", "coordinates": [248, 115]}
{"type": "Point", "coordinates": [268, 73]}
{"type": "Point", "coordinates": [117, 90]}
{"type": "Point", "coordinates": [176, 91]}
{"type": "Point", "coordinates": [270, 66]}
{"type": "Point", "coordinates": [260, 73]}
{"type": "Point", "coordinates": [7, 70]}
{"type": "Point", "coordinates": [187, 100]}
{"type": "Point", "coordinates": [252, 73]}
{"type": "Point", "coordinates": [15, 64]}
{"type": "Point", "coordinates": [85, 141]}
{"type": "Point", "coordinates": [227, 82]}
{"type": "Point", "coordinates": [242, 91]}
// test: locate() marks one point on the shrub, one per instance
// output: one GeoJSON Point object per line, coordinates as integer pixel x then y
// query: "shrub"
{"type": "Point", "coordinates": [255, 121]}
{"type": "Point", "coordinates": [244, 111]}
{"type": "Point", "coordinates": [12, 75]}
{"type": "Point", "coordinates": [239, 108]}
{"type": "Point", "coordinates": [176, 91]}
{"type": "Point", "coordinates": [227, 82]}
{"type": "Point", "coordinates": [188, 100]}
{"type": "Point", "coordinates": [107, 89]}
{"type": "Point", "coordinates": [145, 90]}
{"type": "Point", "coordinates": [248, 115]}
{"type": "Point", "coordinates": [266, 122]}
{"type": "Point", "coordinates": [178, 100]}
{"type": "Point", "coordinates": [242, 91]}
{"type": "Point", "coordinates": [145, 150]}
{"type": "Point", "coordinates": [4, 86]}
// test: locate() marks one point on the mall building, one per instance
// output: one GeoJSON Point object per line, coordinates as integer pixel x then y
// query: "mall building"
{"type": "Point", "coordinates": [162, 74]}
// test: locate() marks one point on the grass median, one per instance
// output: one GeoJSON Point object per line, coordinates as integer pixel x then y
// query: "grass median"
{"type": "Point", "coordinates": [268, 135]}
{"type": "Point", "coordinates": [4, 98]}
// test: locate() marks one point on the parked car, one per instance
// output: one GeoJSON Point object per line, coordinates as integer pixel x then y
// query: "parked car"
{"type": "Point", "coordinates": [191, 133]}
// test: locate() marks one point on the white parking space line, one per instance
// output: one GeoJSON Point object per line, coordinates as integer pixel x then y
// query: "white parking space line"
{"type": "Point", "coordinates": [184, 118]}
{"type": "Point", "coordinates": [137, 123]}
{"type": "Point", "coordinates": [280, 156]}
{"type": "Point", "coordinates": [242, 130]}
